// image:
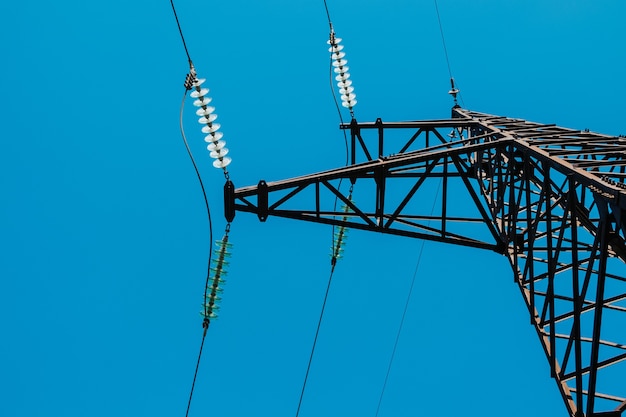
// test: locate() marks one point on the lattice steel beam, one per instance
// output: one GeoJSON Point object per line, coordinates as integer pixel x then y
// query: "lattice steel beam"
{"type": "Point", "coordinates": [553, 200]}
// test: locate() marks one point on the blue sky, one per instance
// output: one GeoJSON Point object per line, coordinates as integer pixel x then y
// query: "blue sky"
{"type": "Point", "coordinates": [104, 236]}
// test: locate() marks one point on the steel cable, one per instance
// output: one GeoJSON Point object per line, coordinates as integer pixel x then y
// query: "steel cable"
{"type": "Point", "coordinates": [180, 30]}
{"type": "Point", "coordinates": [445, 49]}
{"type": "Point", "coordinates": [208, 210]}
{"type": "Point", "coordinates": [406, 307]}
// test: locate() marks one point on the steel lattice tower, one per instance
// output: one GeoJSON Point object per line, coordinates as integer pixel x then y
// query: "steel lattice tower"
{"type": "Point", "coordinates": [551, 199]}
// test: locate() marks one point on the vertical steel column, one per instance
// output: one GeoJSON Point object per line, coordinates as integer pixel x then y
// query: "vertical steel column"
{"type": "Point", "coordinates": [512, 207]}
{"type": "Point", "coordinates": [547, 190]}
{"type": "Point", "coordinates": [603, 232]}
{"type": "Point", "coordinates": [381, 135]}
{"type": "Point", "coordinates": [444, 197]}
{"type": "Point", "coordinates": [499, 199]}
{"type": "Point", "coordinates": [381, 179]}
{"type": "Point", "coordinates": [354, 131]}
{"type": "Point", "coordinates": [577, 299]}
{"type": "Point", "coordinates": [530, 227]}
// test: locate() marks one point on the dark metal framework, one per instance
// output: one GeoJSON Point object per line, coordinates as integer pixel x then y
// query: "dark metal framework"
{"type": "Point", "coordinates": [551, 199]}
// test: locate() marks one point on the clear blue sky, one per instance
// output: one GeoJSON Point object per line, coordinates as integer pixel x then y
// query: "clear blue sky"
{"type": "Point", "coordinates": [104, 237]}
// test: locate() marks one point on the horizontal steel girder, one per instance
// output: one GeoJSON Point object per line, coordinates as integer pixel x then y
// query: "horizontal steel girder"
{"type": "Point", "coordinates": [551, 199]}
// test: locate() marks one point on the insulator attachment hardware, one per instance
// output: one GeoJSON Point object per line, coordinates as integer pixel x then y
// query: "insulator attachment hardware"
{"type": "Point", "coordinates": [453, 92]}
{"type": "Point", "coordinates": [189, 81]}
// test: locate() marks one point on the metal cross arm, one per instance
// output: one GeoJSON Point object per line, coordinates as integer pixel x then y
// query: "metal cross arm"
{"type": "Point", "coordinates": [550, 199]}
{"type": "Point", "coordinates": [313, 197]}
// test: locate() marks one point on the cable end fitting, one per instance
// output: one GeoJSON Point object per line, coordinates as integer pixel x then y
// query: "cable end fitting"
{"type": "Point", "coordinates": [453, 92]}
{"type": "Point", "coordinates": [189, 81]}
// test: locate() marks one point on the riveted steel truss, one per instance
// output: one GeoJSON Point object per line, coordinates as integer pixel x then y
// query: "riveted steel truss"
{"type": "Point", "coordinates": [551, 199]}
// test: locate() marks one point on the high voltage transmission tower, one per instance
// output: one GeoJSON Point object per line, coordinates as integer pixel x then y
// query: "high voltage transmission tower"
{"type": "Point", "coordinates": [550, 199]}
